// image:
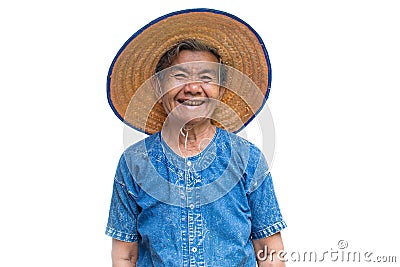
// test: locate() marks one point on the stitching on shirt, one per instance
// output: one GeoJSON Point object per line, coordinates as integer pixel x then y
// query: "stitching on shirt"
{"type": "Point", "coordinates": [270, 230]}
{"type": "Point", "coordinates": [116, 179]}
{"type": "Point", "coordinates": [253, 187]}
{"type": "Point", "coordinates": [116, 233]}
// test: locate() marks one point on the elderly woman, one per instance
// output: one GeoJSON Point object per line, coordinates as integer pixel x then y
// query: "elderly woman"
{"type": "Point", "coordinates": [193, 193]}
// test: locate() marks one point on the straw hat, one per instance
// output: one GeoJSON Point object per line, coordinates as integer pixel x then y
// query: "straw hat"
{"type": "Point", "coordinates": [132, 97]}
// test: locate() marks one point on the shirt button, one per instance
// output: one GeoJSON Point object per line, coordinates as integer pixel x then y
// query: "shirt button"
{"type": "Point", "coordinates": [194, 249]}
{"type": "Point", "coordinates": [191, 206]}
{"type": "Point", "coordinates": [189, 163]}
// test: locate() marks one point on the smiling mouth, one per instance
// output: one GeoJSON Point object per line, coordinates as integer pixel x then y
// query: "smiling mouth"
{"type": "Point", "coordinates": [191, 102]}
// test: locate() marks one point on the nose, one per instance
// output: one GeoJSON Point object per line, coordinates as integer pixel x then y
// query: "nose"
{"type": "Point", "coordinates": [193, 88]}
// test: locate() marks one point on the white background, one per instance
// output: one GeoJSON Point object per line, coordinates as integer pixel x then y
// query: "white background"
{"type": "Point", "coordinates": [334, 100]}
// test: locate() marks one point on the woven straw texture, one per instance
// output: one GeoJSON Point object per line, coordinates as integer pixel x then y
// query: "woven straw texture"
{"type": "Point", "coordinates": [239, 47]}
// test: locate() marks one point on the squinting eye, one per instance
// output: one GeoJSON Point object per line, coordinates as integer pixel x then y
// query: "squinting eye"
{"type": "Point", "coordinates": [179, 76]}
{"type": "Point", "coordinates": [206, 79]}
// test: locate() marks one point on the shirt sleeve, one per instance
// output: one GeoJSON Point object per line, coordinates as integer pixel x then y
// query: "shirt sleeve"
{"type": "Point", "coordinates": [266, 215]}
{"type": "Point", "coordinates": [122, 220]}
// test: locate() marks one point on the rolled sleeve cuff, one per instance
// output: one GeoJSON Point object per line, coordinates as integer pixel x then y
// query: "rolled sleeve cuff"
{"type": "Point", "coordinates": [270, 230]}
{"type": "Point", "coordinates": [114, 233]}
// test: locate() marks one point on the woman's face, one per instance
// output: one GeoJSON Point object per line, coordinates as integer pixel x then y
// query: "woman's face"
{"type": "Point", "coordinates": [190, 87]}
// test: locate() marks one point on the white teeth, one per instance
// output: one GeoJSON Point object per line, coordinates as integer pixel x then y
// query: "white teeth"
{"type": "Point", "coordinates": [193, 102]}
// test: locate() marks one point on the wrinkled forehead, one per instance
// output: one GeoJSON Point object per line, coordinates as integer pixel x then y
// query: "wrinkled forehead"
{"type": "Point", "coordinates": [196, 67]}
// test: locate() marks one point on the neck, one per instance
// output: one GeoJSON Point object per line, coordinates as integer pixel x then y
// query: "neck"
{"type": "Point", "coordinates": [190, 139]}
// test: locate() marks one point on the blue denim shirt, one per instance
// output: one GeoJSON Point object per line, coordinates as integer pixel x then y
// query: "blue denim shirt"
{"type": "Point", "coordinates": [198, 211]}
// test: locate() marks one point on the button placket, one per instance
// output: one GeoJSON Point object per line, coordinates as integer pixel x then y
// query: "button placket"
{"type": "Point", "coordinates": [192, 231]}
